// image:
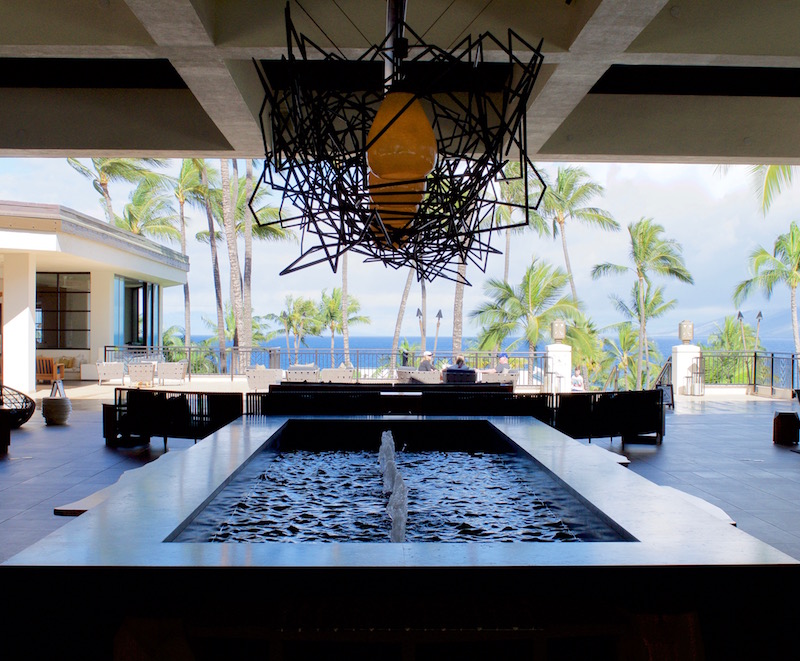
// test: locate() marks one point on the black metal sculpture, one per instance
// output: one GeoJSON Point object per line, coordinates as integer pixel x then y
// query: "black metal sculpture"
{"type": "Point", "coordinates": [316, 119]}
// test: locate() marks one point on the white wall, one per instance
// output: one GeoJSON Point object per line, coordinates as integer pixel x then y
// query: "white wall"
{"type": "Point", "coordinates": [19, 322]}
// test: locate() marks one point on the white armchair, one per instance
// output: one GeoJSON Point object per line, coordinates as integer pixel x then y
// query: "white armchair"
{"type": "Point", "coordinates": [110, 371]}
{"type": "Point", "coordinates": [261, 379]}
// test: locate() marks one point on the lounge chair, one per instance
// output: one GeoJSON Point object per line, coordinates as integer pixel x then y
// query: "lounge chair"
{"type": "Point", "coordinates": [337, 375]}
{"type": "Point", "coordinates": [499, 377]}
{"type": "Point", "coordinates": [48, 370]}
{"type": "Point", "coordinates": [404, 374]}
{"type": "Point", "coordinates": [259, 378]}
{"type": "Point", "coordinates": [459, 376]}
{"type": "Point", "coordinates": [175, 371]}
{"type": "Point", "coordinates": [142, 373]}
{"type": "Point", "coordinates": [428, 377]}
{"type": "Point", "coordinates": [109, 371]}
{"type": "Point", "coordinates": [303, 373]}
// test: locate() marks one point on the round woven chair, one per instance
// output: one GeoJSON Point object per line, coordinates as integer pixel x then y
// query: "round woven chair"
{"type": "Point", "coordinates": [23, 406]}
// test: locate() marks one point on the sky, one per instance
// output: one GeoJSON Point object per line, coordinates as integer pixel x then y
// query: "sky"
{"type": "Point", "coordinates": [715, 216]}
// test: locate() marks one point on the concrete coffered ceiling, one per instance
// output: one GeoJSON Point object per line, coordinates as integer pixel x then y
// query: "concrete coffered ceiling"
{"type": "Point", "coordinates": [623, 80]}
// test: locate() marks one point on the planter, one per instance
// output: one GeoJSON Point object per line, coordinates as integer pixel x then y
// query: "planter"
{"type": "Point", "coordinates": [56, 410]}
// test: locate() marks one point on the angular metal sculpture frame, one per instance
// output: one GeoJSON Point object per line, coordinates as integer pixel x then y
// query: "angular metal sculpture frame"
{"type": "Point", "coordinates": [315, 118]}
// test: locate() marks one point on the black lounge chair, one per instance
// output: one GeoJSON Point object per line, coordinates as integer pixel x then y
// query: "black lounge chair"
{"type": "Point", "coordinates": [21, 406]}
{"type": "Point", "coordinates": [16, 409]}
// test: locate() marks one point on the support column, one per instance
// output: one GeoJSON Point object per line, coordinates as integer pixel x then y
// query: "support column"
{"type": "Point", "coordinates": [559, 368]}
{"type": "Point", "coordinates": [19, 322]}
{"type": "Point", "coordinates": [684, 360]}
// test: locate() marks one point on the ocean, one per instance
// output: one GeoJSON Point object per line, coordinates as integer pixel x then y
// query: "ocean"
{"type": "Point", "coordinates": [444, 344]}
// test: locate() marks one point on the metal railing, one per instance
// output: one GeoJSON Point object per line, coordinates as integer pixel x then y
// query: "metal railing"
{"type": "Point", "coordinates": [777, 371]}
{"type": "Point", "coordinates": [369, 364]}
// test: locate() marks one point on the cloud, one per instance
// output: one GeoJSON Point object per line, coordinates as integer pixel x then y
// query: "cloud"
{"type": "Point", "coordinates": [715, 217]}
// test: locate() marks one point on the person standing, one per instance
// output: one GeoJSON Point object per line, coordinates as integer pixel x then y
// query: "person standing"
{"type": "Point", "coordinates": [577, 380]}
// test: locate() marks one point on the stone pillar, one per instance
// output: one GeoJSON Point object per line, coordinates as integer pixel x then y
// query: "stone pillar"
{"type": "Point", "coordinates": [683, 360]}
{"type": "Point", "coordinates": [559, 368]}
{"type": "Point", "coordinates": [19, 322]}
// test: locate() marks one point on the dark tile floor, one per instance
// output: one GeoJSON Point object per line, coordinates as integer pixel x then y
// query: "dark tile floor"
{"type": "Point", "coordinates": [721, 451]}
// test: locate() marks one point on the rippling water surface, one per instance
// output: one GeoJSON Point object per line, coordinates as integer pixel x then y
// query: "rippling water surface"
{"type": "Point", "coordinates": [304, 496]}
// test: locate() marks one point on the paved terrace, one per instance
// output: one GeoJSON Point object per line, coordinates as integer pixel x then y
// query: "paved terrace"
{"type": "Point", "coordinates": [719, 449]}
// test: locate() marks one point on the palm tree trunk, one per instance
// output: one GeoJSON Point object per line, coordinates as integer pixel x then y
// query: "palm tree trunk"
{"type": "Point", "coordinates": [345, 306]}
{"type": "Point", "coordinates": [507, 256]}
{"type": "Point", "coordinates": [229, 225]}
{"type": "Point", "coordinates": [423, 322]}
{"type": "Point", "coordinates": [566, 261]}
{"type": "Point", "coordinates": [247, 298]}
{"type": "Point", "coordinates": [641, 334]}
{"type": "Point", "coordinates": [795, 331]}
{"type": "Point", "coordinates": [400, 314]}
{"type": "Point", "coordinates": [458, 309]}
{"type": "Point", "coordinates": [103, 182]}
{"type": "Point", "coordinates": [187, 310]}
{"type": "Point", "coordinates": [333, 348]}
{"type": "Point", "coordinates": [212, 240]}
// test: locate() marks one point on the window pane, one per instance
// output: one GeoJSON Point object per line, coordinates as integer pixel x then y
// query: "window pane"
{"type": "Point", "coordinates": [74, 282]}
{"type": "Point", "coordinates": [72, 301]}
{"type": "Point", "coordinates": [75, 321]}
{"type": "Point", "coordinates": [74, 339]}
{"type": "Point", "coordinates": [46, 281]}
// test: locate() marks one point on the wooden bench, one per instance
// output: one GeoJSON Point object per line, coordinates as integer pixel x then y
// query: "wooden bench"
{"type": "Point", "coordinates": [48, 370]}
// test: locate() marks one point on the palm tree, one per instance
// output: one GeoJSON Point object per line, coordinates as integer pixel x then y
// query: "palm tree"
{"type": "Point", "coordinates": [512, 191]}
{"type": "Point", "coordinates": [525, 309]}
{"type": "Point", "coordinates": [206, 195]}
{"type": "Point", "coordinates": [240, 224]}
{"type": "Point", "coordinates": [767, 270]}
{"type": "Point", "coordinates": [332, 317]}
{"type": "Point", "coordinates": [300, 318]}
{"type": "Point", "coordinates": [400, 314]}
{"type": "Point", "coordinates": [567, 199]}
{"type": "Point", "coordinates": [620, 354]}
{"type": "Point", "coordinates": [105, 170]}
{"type": "Point", "coordinates": [769, 181]}
{"type": "Point", "coordinates": [260, 334]}
{"type": "Point", "coordinates": [728, 337]}
{"type": "Point", "coordinates": [149, 212]}
{"type": "Point", "coordinates": [227, 195]}
{"type": "Point", "coordinates": [649, 253]}
{"type": "Point", "coordinates": [654, 307]}
{"type": "Point", "coordinates": [587, 350]}
{"type": "Point", "coordinates": [187, 189]}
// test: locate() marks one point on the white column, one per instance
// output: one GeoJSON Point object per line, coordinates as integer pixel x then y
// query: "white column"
{"type": "Point", "coordinates": [102, 314]}
{"type": "Point", "coordinates": [19, 322]}
{"type": "Point", "coordinates": [683, 358]}
{"type": "Point", "coordinates": [559, 368]}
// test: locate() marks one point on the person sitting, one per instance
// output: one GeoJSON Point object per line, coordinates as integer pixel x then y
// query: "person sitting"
{"type": "Point", "coordinates": [459, 372]}
{"type": "Point", "coordinates": [577, 380]}
{"type": "Point", "coordinates": [502, 365]}
{"type": "Point", "coordinates": [426, 364]}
